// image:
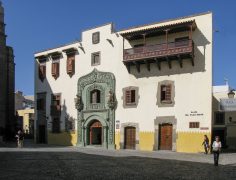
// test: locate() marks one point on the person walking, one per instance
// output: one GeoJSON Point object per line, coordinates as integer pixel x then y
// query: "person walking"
{"type": "Point", "coordinates": [216, 148]}
{"type": "Point", "coordinates": [206, 144]}
{"type": "Point", "coordinates": [20, 139]}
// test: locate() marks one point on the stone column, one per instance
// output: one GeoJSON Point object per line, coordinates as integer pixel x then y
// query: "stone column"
{"type": "Point", "coordinates": [105, 144]}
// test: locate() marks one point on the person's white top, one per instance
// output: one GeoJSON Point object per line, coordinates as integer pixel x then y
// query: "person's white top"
{"type": "Point", "coordinates": [216, 145]}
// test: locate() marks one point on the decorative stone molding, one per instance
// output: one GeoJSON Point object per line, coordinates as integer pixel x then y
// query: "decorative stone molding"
{"type": "Point", "coordinates": [111, 102]}
{"type": "Point", "coordinates": [105, 83]}
{"type": "Point", "coordinates": [78, 103]}
{"type": "Point", "coordinates": [165, 120]}
{"type": "Point", "coordinates": [166, 104]}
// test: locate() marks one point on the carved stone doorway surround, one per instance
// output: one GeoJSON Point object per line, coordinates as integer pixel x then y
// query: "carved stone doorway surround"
{"type": "Point", "coordinates": [165, 120]}
{"type": "Point", "coordinates": [103, 110]}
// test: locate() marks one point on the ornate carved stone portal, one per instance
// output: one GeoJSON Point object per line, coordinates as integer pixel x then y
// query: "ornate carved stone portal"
{"type": "Point", "coordinates": [102, 109]}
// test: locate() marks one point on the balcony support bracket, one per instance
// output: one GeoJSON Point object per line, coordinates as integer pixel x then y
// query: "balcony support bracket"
{"type": "Point", "coordinates": [169, 62]}
{"type": "Point", "coordinates": [148, 65]}
{"type": "Point", "coordinates": [128, 67]}
{"type": "Point", "coordinates": [137, 66]}
{"type": "Point", "coordinates": [180, 61]}
{"type": "Point", "coordinates": [192, 60]}
{"type": "Point", "coordinates": [158, 64]}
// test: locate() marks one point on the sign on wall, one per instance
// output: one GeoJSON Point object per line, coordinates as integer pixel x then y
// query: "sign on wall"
{"type": "Point", "coordinates": [117, 124]}
{"type": "Point", "coordinates": [228, 104]}
{"type": "Point", "coordinates": [194, 113]}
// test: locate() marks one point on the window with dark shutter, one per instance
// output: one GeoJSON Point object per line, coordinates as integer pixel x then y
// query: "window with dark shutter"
{"type": "Point", "coordinates": [96, 37]}
{"type": "Point", "coordinates": [130, 97]}
{"type": "Point", "coordinates": [42, 72]}
{"type": "Point", "coordinates": [194, 125]}
{"type": "Point", "coordinates": [56, 125]}
{"type": "Point", "coordinates": [55, 110]}
{"type": "Point", "coordinates": [95, 97]}
{"type": "Point", "coordinates": [40, 104]}
{"type": "Point", "coordinates": [95, 59]}
{"type": "Point", "coordinates": [219, 118]}
{"type": "Point", "coordinates": [55, 69]}
{"type": "Point", "coordinates": [56, 99]}
{"type": "Point", "coordinates": [166, 93]}
{"type": "Point", "coordinates": [70, 64]}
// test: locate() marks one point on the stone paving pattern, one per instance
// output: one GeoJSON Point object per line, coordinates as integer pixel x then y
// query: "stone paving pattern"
{"type": "Point", "coordinates": [71, 163]}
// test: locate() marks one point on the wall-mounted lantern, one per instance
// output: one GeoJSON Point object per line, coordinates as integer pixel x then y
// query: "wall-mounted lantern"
{"type": "Point", "coordinates": [231, 93]}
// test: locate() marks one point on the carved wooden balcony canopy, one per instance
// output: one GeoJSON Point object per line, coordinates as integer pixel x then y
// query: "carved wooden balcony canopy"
{"type": "Point", "coordinates": [156, 53]}
{"type": "Point", "coordinates": [71, 50]}
{"type": "Point", "coordinates": [158, 30]}
{"type": "Point", "coordinates": [55, 55]}
{"type": "Point", "coordinates": [41, 59]}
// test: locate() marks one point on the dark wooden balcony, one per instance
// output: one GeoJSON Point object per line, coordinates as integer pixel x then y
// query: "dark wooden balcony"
{"type": "Point", "coordinates": [55, 110]}
{"type": "Point", "coordinates": [159, 52]}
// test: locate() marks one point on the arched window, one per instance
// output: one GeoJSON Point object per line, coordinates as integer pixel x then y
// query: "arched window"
{"type": "Point", "coordinates": [95, 96]}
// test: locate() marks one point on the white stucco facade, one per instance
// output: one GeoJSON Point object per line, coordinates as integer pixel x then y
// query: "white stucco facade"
{"type": "Point", "coordinates": [192, 85]}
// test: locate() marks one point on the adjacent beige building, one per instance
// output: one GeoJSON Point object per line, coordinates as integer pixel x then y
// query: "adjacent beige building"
{"type": "Point", "coordinates": [24, 106]}
{"type": "Point", "coordinates": [147, 87]}
{"type": "Point", "coordinates": [224, 115]}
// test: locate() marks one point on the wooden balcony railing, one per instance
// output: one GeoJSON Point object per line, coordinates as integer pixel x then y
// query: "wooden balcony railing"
{"type": "Point", "coordinates": [159, 50]}
{"type": "Point", "coordinates": [55, 110]}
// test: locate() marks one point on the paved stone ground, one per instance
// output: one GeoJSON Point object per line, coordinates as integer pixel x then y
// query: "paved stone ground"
{"type": "Point", "coordinates": [49, 163]}
{"type": "Point", "coordinates": [56, 162]}
{"type": "Point", "coordinates": [76, 165]}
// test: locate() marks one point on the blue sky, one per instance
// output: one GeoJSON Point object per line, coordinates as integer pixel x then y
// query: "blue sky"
{"type": "Point", "coordinates": [34, 25]}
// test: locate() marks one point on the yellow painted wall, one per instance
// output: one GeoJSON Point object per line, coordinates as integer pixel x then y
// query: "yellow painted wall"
{"type": "Point", "coordinates": [190, 142]}
{"type": "Point", "coordinates": [117, 140]}
{"type": "Point", "coordinates": [63, 138]}
{"type": "Point", "coordinates": [146, 141]}
{"type": "Point", "coordinates": [25, 114]}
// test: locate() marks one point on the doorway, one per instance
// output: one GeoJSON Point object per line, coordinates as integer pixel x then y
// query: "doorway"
{"type": "Point", "coordinates": [95, 133]}
{"type": "Point", "coordinates": [221, 133]}
{"type": "Point", "coordinates": [165, 136]}
{"type": "Point", "coordinates": [130, 138]}
{"type": "Point", "coordinates": [42, 134]}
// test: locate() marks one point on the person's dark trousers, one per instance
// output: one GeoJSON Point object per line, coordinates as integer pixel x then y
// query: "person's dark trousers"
{"type": "Point", "coordinates": [206, 149]}
{"type": "Point", "coordinates": [216, 157]}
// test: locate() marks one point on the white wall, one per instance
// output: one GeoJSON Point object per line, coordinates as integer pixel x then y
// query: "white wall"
{"type": "Point", "coordinates": [192, 90]}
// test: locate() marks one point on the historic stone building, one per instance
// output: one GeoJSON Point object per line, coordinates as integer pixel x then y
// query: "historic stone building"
{"type": "Point", "coordinates": [7, 83]}
{"type": "Point", "coordinates": [147, 87]}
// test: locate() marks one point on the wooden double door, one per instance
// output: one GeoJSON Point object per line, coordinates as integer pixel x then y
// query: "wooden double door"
{"type": "Point", "coordinates": [130, 138]}
{"type": "Point", "coordinates": [165, 136]}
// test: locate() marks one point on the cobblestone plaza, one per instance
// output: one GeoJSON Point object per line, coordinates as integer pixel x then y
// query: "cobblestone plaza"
{"type": "Point", "coordinates": [85, 163]}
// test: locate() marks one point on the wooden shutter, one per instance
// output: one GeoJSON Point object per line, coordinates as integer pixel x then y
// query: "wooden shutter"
{"type": "Point", "coordinates": [127, 96]}
{"type": "Point", "coordinates": [55, 70]}
{"type": "Point", "coordinates": [70, 64]}
{"type": "Point", "coordinates": [132, 96]}
{"type": "Point", "coordinates": [168, 93]}
{"type": "Point", "coordinates": [194, 125]}
{"type": "Point", "coordinates": [42, 72]}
